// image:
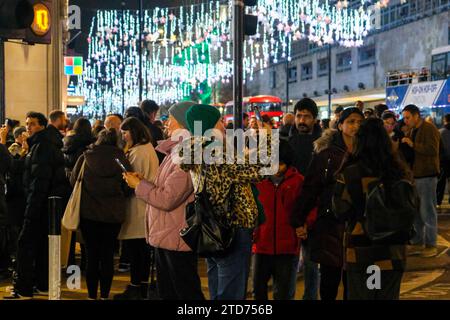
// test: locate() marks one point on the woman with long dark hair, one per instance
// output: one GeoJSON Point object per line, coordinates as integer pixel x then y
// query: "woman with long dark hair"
{"type": "Point", "coordinates": [76, 143]}
{"type": "Point", "coordinates": [373, 163]}
{"type": "Point", "coordinates": [144, 161]}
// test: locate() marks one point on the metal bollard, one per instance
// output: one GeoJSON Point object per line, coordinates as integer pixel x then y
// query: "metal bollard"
{"type": "Point", "coordinates": [54, 248]}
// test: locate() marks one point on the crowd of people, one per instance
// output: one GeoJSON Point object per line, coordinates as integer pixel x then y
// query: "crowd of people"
{"type": "Point", "coordinates": [310, 214]}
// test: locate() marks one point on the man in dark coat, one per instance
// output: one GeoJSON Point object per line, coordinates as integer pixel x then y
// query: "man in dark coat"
{"type": "Point", "coordinates": [5, 163]}
{"type": "Point", "coordinates": [58, 123]}
{"type": "Point", "coordinates": [44, 177]}
{"type": "Point", "coordinates": [301, 138]}
{"type": "Point", "coordinates": [303, 134]}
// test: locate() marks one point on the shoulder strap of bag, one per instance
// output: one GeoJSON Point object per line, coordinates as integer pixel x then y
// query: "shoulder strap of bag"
{"type": "Point", "coordinates": [81, 173]}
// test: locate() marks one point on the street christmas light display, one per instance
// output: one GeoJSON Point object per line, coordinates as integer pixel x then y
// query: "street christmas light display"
{"type": "Point", "coordinates": [189, 48]}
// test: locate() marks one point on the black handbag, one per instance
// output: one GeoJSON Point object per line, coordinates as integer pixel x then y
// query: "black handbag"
{"type": "Point", "coordinates": [206, 233]}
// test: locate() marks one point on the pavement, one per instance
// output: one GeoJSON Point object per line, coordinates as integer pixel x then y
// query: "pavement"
{"type": "Point", "coordinates": [425, 278]}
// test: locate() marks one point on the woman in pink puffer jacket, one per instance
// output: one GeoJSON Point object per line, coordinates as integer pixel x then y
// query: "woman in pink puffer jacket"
{"type": "Point", "coordinates": [166, 198]}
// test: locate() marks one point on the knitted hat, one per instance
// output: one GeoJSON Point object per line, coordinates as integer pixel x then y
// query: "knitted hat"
{"type": "Point", "coordinates": [206, 114]}
{"type": "Point", "coordinates": [178, 111]}
{"type": "Point", "coordinates": [349, 111]}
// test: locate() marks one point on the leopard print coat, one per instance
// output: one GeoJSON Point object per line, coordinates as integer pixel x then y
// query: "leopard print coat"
{"type": "Point", "coordinates": [228, 182]}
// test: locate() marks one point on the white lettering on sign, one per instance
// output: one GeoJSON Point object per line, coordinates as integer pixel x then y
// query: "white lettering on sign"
{"type": "Point", "coordinates": [423, 94]}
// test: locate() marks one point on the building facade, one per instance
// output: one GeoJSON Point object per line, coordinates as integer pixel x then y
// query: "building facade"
{"type": "Point", "coordinates": [403, 40]}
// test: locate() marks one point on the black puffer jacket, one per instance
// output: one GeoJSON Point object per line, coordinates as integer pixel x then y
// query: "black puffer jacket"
{"type": "Point", "coordinates": [44, 174]}
{"type": "Point", "coordinates": [103, 188]}
{"type": "Point", "coordinates": [5, 164]}
{"type": "Point", "coordinates": [326, 236]}
{"type": "Point", "coordinates": [74, 146]}
{"type": "Point", "coordinates": [15, 196]}
{"type": "Point", "coordinates": [302, 144]}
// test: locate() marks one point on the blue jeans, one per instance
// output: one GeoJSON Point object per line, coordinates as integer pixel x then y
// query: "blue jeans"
{"type": "Point", "coordinates": [228, 275]}
{"type": "Point", "coordinates": [426, 223]}
{"type": "Point", "coordinates": [311, 275]}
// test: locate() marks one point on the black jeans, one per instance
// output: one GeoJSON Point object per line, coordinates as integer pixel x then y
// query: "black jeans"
{"type": "Point", "coordinates": [72, 256]}
{"type": "Point", "coordinates": [330, 279]}
{"type": "Point", "coordinates": [283, 269]}
{"type": "Point", "coordinates": [176, 275]}
{"type": "Point", "coordinates": [138, 252]}
{"type": "Point", "coordinates": [389, 288]}
{"type": "Point", "coordinates": [32, 256]}
{"type": "Point", "coordinates": [99, 241]}
{"type": "Point", "coordinates": [123, 253]}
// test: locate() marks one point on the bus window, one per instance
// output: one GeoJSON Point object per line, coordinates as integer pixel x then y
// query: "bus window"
{"type": "Point", "coordinates": [438, 68]}
{"type": "Point", "coordinates": [268, 107]}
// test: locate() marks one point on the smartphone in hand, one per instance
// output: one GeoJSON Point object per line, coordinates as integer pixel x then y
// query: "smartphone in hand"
{"type": "Point", "coordinates": [121, 165]}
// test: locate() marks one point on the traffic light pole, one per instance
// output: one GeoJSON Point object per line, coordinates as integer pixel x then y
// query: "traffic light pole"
{"type": "Point", "coordinates": [238, 47]}
{"type": "Point", "coordinates": [2, 82]}
{"type": "Point", "coordinates": [57, 55]}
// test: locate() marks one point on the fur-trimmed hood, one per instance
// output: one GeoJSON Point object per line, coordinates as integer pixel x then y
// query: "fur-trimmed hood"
{"type": "Point", "coordinates": [329, 137]}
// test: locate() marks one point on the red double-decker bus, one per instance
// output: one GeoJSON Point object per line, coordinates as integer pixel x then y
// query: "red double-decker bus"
{"type": "Point", "coordinates": [267, 105]}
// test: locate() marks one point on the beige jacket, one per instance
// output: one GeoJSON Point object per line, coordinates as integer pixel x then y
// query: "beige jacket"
{"type": "Point", "coordinates": [143, 160]}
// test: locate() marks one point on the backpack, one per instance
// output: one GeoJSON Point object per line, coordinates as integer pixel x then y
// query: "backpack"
{"type": "Point", "coordinates": [390, 210]}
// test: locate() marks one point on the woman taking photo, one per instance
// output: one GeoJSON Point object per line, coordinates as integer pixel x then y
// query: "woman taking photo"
{"type": "Point", "coordinates": [102, 208]}
{"type": "Point", "coordinates": [167, 198]}
{"type": "Point", "coordinates": [143, 159]}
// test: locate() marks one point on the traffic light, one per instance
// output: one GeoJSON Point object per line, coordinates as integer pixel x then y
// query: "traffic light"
{"type": "Point", "coordinates": [29, 20]}
{"type": "Point", "coordinates": [39, 31]}
{"type": "Point", "coordinates": [15, 17]}
{"type": "Point", "coordinates": [250, 21]}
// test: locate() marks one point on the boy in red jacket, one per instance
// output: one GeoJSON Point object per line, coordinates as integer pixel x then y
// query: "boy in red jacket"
{"type": "Point", "coordinates": [276, 246]}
